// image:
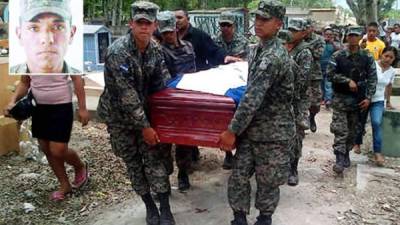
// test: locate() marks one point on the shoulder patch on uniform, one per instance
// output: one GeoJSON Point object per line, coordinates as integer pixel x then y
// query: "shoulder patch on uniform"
{"type": "Point", "coordinates": [124, 68]}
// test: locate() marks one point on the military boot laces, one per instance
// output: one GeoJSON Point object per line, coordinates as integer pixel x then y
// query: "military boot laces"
{"type": "Point", "coordinates": [293, 178]}
{"type": "Point", "coordinates": [339, 166]}
{"type": "Point", "coordinates": [152, 215]}
{"type": "Point", "coordinates": [166, 217]}
{"type": "Point", "coordinates": [347, 162]}
{"type": "Point", "coordinates": [239, 218]}
{"type": "Point", "coordinates": [183, 181]}
{"type": "Point", "coordinates": [228, 161]}
{"type": "Point", "coordinates": [313, 124]}
{"type": "Point", "coordinates": [263, 220]}
{"type": "Point", "coordinates": [195, 155]}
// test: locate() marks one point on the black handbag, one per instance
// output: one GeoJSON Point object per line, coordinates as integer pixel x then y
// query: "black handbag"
{"type": "Point", "coordinates": [24, 107]}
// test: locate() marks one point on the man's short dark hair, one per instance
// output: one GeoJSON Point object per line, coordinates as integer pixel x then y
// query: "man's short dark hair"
{"type": "Point", "coordinates": [373, 24]}
{"type": "Point", "coordinates": [396, 24]}
{"type": "Point", "coordinates": [184, 11]}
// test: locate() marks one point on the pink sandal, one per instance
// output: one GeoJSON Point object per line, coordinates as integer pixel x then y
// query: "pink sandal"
{"type": "Point", "coordinates": [58, 196]}
{"type": "Point", "coordinates": [82, 178]}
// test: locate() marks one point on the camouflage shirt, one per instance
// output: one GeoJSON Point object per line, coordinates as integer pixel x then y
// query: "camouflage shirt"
{"type": "Point", "coordinates": [239, 46]}
{"type": "Point", "coordinates": [303, 59]}
{"type": "Point", "coordinates": [317, 46]}
{"type": "Point", "coordinates": [130, 77]}
{"type": "Point", "coordinates": [179, 59]}
{"type": "Point", "coordinates": [339, 73]}
{"type": "Point", "coordinates": [265, 112]}
{"type": "Point", "coordinates": [23, 69]}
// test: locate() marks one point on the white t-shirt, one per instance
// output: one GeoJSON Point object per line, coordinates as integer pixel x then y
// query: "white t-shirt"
{"type": "Point", "coordinates": [395, 40]}
{"type": "Point", "coordinates": [384, 78]}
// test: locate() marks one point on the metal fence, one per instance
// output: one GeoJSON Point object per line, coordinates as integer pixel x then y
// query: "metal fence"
{"type": "Point", "coordinates": [208, 21]}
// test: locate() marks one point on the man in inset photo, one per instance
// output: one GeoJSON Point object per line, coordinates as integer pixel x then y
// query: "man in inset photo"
{"type": "Point", "coordinates": [45, 32]}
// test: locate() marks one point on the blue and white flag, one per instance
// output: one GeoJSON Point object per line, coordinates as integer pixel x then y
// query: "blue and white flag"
{"type": "Point", "coordinates": [229, 80]}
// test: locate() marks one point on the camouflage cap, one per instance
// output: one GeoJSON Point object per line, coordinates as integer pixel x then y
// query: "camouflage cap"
{"type": "Point", "coordinates": [285, 36]}
{"type": "Point", "coordinates": [32, 8]}
{"type": "Point", "coordinates": [297, 24]}
{"type": "Point", "coordinates": [270, 8]}
{"type": "Point", "coordinates": [227, 17]}
{"type": "Point", "coordinates": [166, 21]}
{"type": "Point", "coordinates": [357, 30]}
{"type": "Point", "coordinates": [328, 28]}
{"type": "Point", "coordinates": [144, 10]}
{"type": "Point", "coordinates": [309, 23]}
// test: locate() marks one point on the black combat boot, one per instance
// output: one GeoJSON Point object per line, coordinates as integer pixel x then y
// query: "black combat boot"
{"type": "Point", "coordinates": [183, 180]}
{"type": "Point", "coordinates": [263, 220]}
{"type": "Point", "coordinates": [228, 161]}
{"type": "Point", "coordinates": [239, 218]}
{"type": "Point", "coordinates": [346, 162]}
{"type": "Point", "coordinates": [166, 217]}
{"type": "Point", "coordinates": [195, 154]}
{"type": "Point", "coordinates": [169, 163]}
{"type": "Point", "coordinates": [293, 178]}
{"type": "Point", "coordinates": [313, 124]}
{"type": "Point", "coordinates": [339, 166]}
{"type": "Point", "coordinates": [152, 215]}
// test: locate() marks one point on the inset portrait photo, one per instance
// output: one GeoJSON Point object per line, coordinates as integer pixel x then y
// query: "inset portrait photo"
{"type": "Point", "coordinates": [46, 37]}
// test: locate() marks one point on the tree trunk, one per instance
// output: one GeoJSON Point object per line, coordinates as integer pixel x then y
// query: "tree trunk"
{"type": "Point", "coordinates": [365, 11]}
{"type": "Point", "coordinates": [371, 11]}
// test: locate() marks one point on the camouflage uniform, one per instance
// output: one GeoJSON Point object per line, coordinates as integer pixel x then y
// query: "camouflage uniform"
{"type": "Point", "coordinates": [263, 123]}
{"type": "Point", "coordinates": [130, 77]}
{"type": "Point", "coordinates": [179, 60]}
{"type": "Point", "coordinates": [316, 44]}
{"type": "Point", "coordinates": [346, 66]}
{"type": "Point", "coordinates": [303, 62]}
{"type": "Point", "coordinates": [239, 46]}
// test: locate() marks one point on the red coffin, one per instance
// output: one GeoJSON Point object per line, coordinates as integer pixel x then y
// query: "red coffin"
{"type": "Point", "coordinates": [190, 117]}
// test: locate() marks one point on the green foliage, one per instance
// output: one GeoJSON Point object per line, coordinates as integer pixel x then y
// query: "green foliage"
{"type": "Point", "coordinates": [107, 8]}
{"type": "Point", "coordinates": [299, 3]}
{"type": "Point", "coordinates": [385, 9]}
{"type": "Point", "coordinates": [392, 14]}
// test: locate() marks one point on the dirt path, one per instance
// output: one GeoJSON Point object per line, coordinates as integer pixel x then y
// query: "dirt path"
{"type": "Point", "coordinates": [365, 195]}
{"type": "Point", "coordinates": [321, 198]}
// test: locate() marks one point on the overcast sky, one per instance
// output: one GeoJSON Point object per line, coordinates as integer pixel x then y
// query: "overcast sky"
{"type": "Point", "coordinates": [342, 3]}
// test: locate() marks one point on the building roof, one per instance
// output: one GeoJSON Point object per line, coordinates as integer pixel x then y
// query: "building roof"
{"type": "Point", "coordinates": [91, 29]}
{"type": "Point", "coordinates": [297, 11]}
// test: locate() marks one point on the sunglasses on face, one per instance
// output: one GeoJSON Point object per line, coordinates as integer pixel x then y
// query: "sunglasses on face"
{"type": "Point", "coordinates": [225, 25]}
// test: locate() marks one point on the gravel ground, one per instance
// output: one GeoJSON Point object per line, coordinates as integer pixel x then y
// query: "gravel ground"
{"type": "Point", "coordinates": [26, 184]}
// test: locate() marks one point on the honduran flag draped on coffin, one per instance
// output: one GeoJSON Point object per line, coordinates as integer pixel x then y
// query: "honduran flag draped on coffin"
{"type": "Point", "coordinates": [229, 80]}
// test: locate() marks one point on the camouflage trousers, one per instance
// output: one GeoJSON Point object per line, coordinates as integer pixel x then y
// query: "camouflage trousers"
{"type": "Point", "coordinates": [315, 96]}
{"type": "Point", "coordinates": [183, 157]}
{"type": "Point", "coordinates": [270, 162]}
{"type": "Point", "coordinates": [344, 126]}
{"type": "Point", "coordinates": [143, 162]}
{"type": "Point", "coordinates": [297, 145]}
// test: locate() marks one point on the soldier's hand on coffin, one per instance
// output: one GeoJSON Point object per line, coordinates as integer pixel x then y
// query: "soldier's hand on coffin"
{"type": "Point", "coordinates": [227, 141]}
{"type": "Point", "coordinates": [83, 116]}
{"type": "Point", "coordinates": [150, 136]}
{"type": "Point", "coordinates": [230, 59]}
{"type": "Point", "coordinates": [353, 86]}
{"type": "Point", "coordinates": [364, 104]}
